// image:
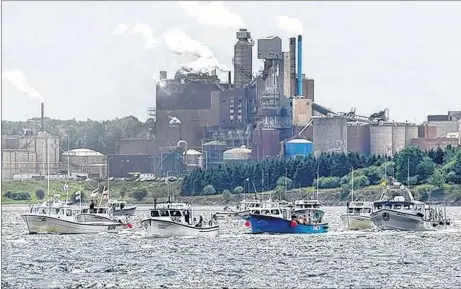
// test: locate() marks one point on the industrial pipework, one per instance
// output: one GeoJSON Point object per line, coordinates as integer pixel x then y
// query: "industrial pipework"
{"type": "Point", "coordinates": [300, 70]}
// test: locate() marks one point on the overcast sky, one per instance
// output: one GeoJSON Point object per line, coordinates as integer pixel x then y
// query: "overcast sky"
{"type": "Point", "coordinates": [97, 59]}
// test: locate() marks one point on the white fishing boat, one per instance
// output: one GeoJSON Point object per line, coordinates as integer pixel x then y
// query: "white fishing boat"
{"type": "Point", "coordinates": [176, 220]}
{"type": "Point", "coordinates": [358, 214]}
{"type": "Point", "coordinates": [398, 210]}
{"type": "Point", "coordinates": [68, 220]}
{"type": "Point", "coordinates": [120, 208]}
{"type": "Point", "coordinates": [56, 216]}
{"type": "Point", "coordinates": [242, 210]}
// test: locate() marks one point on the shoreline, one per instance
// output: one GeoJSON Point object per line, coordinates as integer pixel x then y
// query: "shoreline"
{"type": "Point", "coordinates": [451, 194]}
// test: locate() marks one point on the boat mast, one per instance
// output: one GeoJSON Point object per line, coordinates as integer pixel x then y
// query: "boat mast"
{"type": "Point", "coordinates": [286, 176]}
{"type": "Point", "coordinates": [385, 172]}
{"type": "Point", "coordinates": [48, 171]}
{"type": "Point", "coordinates": [318, 175]}
{"type": "Point", "coordinates": [408, 172]}
{"type": "Point", "coordinates": [352, 192]}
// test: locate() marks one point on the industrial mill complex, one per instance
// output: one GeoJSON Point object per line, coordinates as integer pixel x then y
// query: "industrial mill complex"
{"type": "Point", "coordinates": [203, 121]}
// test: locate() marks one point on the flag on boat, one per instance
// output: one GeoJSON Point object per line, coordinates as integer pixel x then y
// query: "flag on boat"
{"type": "Point", "coordinates": [105, 193]}
{"type": "Point", "coordinates": [94, 193]}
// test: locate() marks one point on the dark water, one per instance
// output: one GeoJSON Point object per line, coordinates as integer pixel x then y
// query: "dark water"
{"type": "Point", "coordinates": [234, 260]}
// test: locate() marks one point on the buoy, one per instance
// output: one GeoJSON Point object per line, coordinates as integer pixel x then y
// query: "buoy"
{"type": "Point", "coordinates": [293, 224]}
{"type": "Point", "coordinates": [247, 223]}
{"type": "Point", "coordinates": [129, 226]}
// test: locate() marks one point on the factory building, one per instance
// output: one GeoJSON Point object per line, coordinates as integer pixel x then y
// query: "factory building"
{"type": "Point", "coordinates": [85, 161]}
{"type": "Point", "coordinates": [212, 153]}
{"type": "Point", "coordinates": [122, 166]}
{"type": "Point", "coordinates": [30, 154]}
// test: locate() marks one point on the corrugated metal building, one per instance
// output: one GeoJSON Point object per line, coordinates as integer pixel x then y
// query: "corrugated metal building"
{"type": "Point", "coordinates": [121, 165]}
{"type": "Point", "coordinates": [265, 143]}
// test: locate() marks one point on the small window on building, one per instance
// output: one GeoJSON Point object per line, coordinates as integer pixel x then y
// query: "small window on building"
{"type": "Point", "coordinates": [231, 117]}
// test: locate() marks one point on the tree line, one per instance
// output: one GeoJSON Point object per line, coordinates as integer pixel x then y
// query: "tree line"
{"type": "Point", "coordinates": [328, 170]}
{"type": "Point", "coordinates": [101, 136]}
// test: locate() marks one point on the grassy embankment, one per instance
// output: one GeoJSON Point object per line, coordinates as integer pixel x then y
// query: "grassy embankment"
{"type": "Point", "coordinates": [452, 194]}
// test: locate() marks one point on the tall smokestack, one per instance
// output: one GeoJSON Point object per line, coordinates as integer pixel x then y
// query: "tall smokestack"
{"type": "Point", "coordinates": [293, 89]}
{"type": "Point", "coordinates": [300, 66]}
{"type": "Point", "coordinates": [42, 118]}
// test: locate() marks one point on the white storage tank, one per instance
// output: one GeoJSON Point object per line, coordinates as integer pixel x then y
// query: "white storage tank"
{"type": "Point", "coordinates": [241, 154]}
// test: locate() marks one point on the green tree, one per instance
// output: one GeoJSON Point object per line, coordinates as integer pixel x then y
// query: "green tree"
{"type": "Point", "coordinates": [123, 191]}
{"type": "Point", "coordinates": [238, 190]}
{"type": "Point", "coordinates": [40, 194]}
{"type": "Point", "coordinates": [209, 190]}
{"type": "Point", "coordinates": [282, 181]}
{"type": "Point", "coordinates": [226, 195]}
{"type": "Point", "coordinates": [140, 194]}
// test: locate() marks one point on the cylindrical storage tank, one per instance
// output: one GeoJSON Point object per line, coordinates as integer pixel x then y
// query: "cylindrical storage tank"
{"type": "Point", "coordinates": [358, 138]}
{"type": "Point", "coordinates": [330, 135]}
{"type": "Point", "coordinates": [398, 138]}
{"type": "Point", "coordinates": [381, 140]}
{"type": "Point", "coordinates": [242, 154]}
{"type": "Point", "coordinates": [192, 158]}
{"type": "Point", "coordinates": [298, 147]}
{"type": "Point", "coordinates": [411, 132]}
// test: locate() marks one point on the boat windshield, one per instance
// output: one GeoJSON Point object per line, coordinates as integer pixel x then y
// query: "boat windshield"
{"type": "Point", "coordinates": [359, 210]}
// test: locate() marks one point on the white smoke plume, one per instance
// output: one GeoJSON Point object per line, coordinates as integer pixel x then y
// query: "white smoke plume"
{"type": "Point", "coordinates": [19, 80]}
{"type": "Point", "coordinates": [143, 29]}
{"type": "Point", "coordinates": [120, 29]}
{"type": "Point", "coordinates": [147, 33]}
{"type": "Point", "coordinates": [290, 24]}
{"type": "Point", "coordinates": [181, 43]}
{"type": "Point", "coordinates": [212, 14]}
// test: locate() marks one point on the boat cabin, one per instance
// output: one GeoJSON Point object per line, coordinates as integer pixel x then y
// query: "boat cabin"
{"type": "Point", "coordinates": [359, 208]}
{"type": "Point", "coordinates": [248, 204]}
{"type": "Point", "coordinates": [275, 212]}
{"type": "Point", "coordinates": [399, 204]}
{"type": "Point", "coordinates": [116, 205]}
{"type": "Point", "coordinates": [179, 206]}
{"type": "Point", "coordinates": [59, 211]}
{"type": "Point", "coordinates": [307, 204]}
{"type": "Point", "coordinates": [181, 215]}
{"type": "Point", "coordinates": [97, 210]}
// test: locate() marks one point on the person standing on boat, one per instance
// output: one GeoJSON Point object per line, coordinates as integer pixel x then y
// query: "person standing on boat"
{"type": "Point", "coordinates": [200, 222]}
{"type": "Point", "coordinates": [92, 206]}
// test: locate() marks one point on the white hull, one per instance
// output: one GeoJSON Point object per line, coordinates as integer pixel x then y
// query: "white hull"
{"type": "Point", "coordinates": [356, 222]}
{"type": "Point", "coordinates": [395, 220]}
{"type": "Point", "coordinates": [129, 211]}
{"type": "Point", "coordinates": [226, 215]}
{"type": "Point", "coordinates": [165, 228]}
{"type": "Point", "coordinates": [51, 224]}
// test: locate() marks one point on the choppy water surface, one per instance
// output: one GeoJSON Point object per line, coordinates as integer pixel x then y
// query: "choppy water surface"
{"type": "Point", "coordinates": [235, 259]}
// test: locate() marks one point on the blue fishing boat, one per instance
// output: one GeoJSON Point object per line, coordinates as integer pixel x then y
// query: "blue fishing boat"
{"type": "Point", "coordinates": [307, 221]}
